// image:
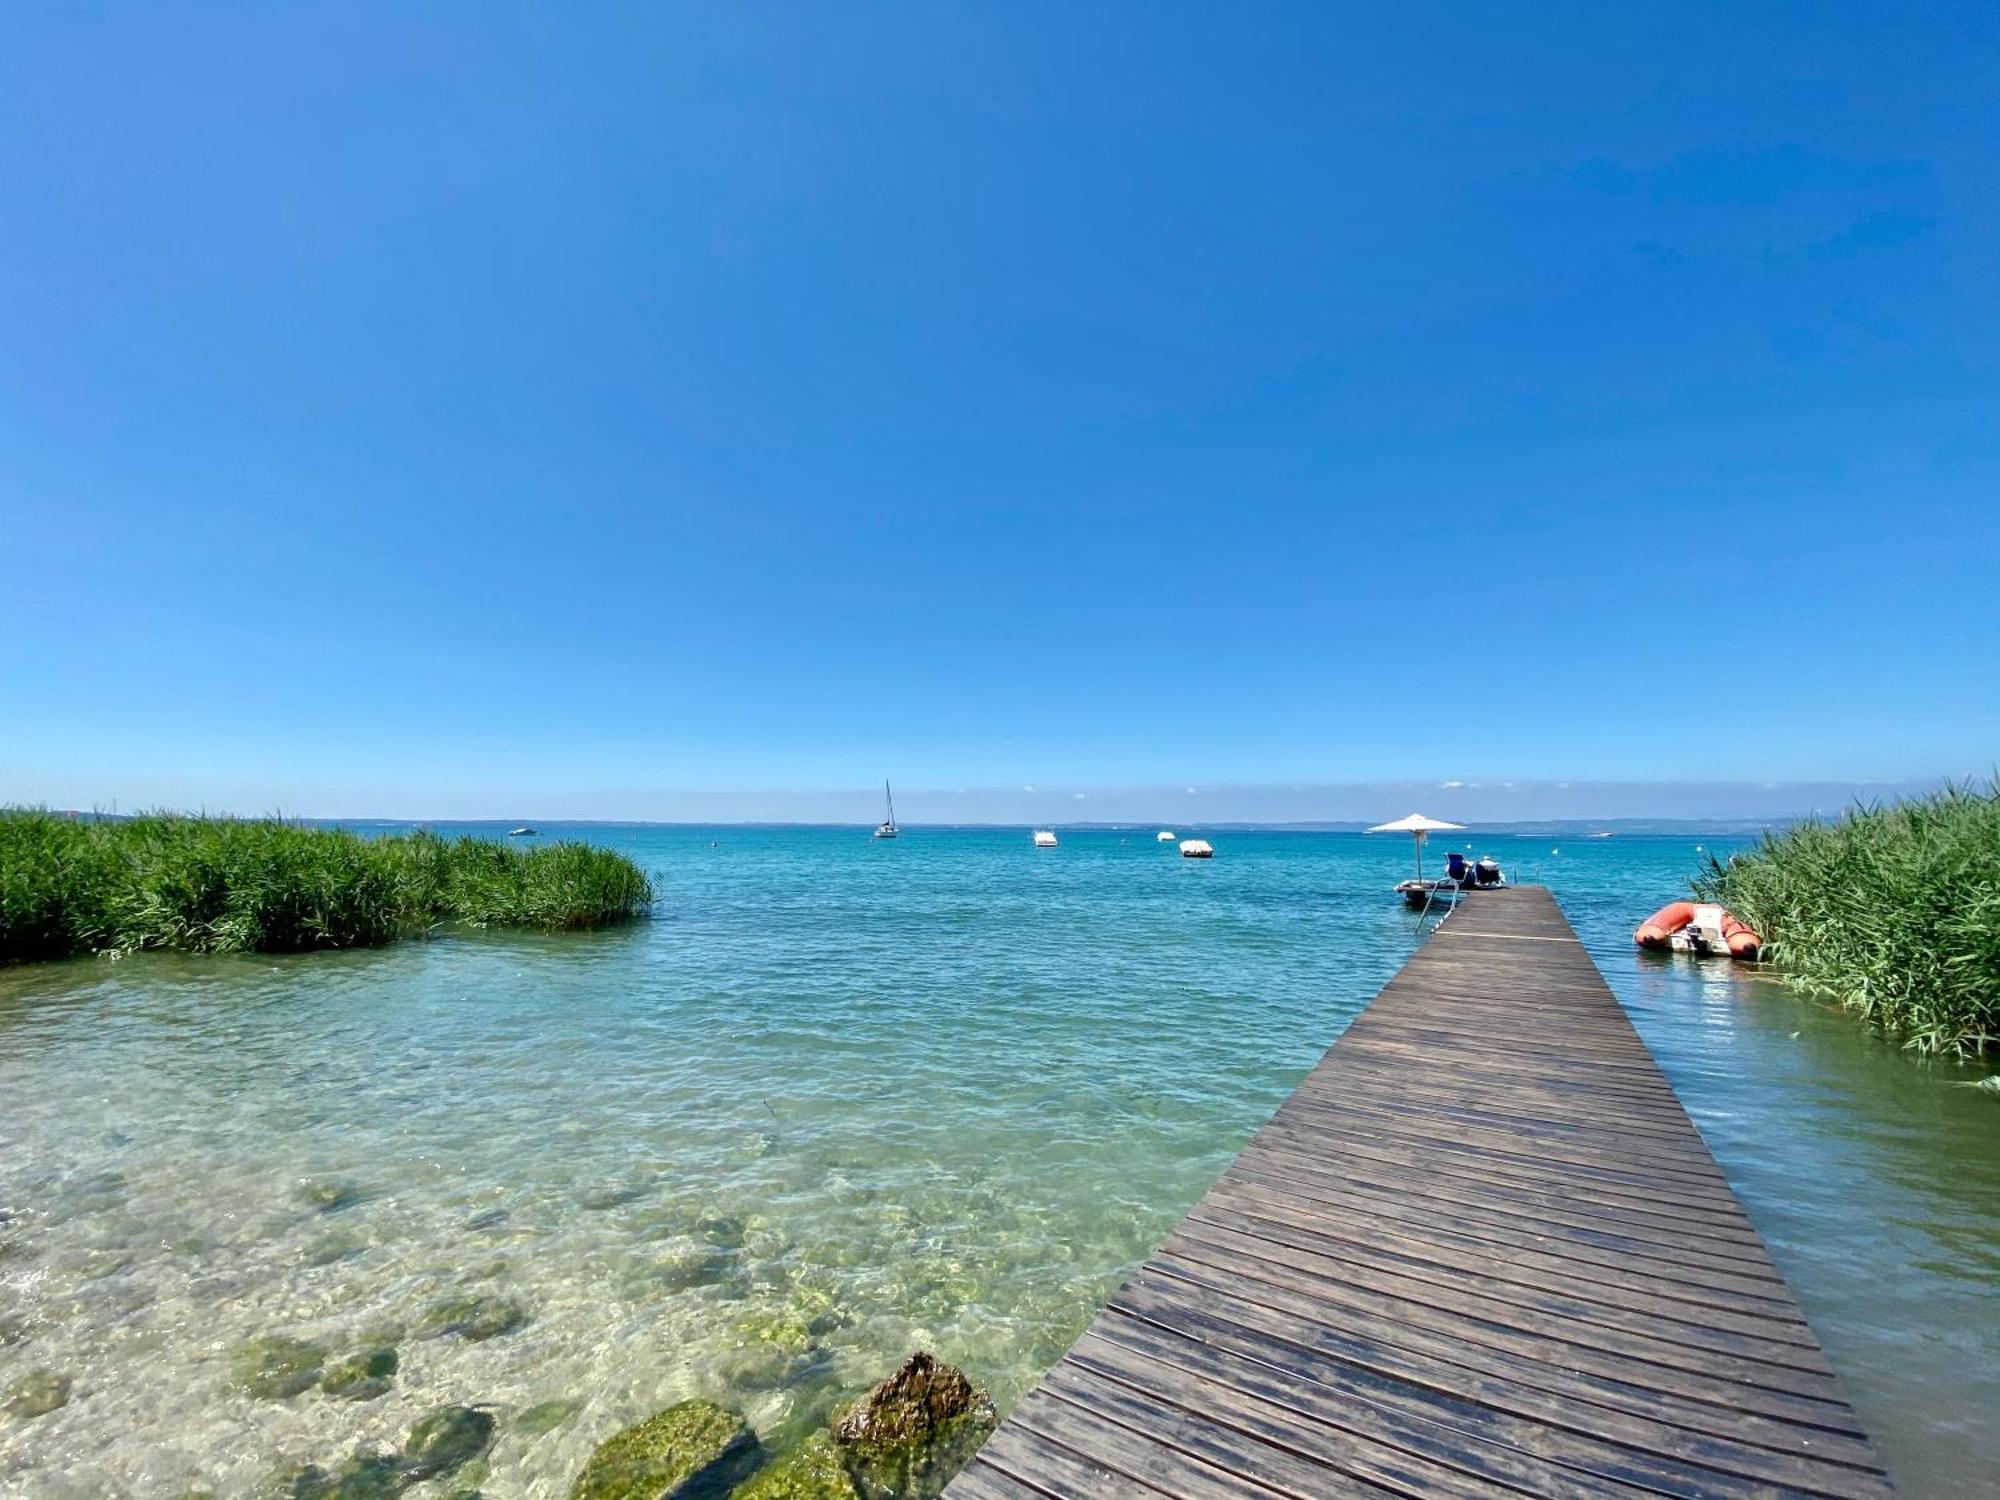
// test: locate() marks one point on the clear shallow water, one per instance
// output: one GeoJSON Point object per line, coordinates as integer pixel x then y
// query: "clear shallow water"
{"type": "Point", "coordinates": [840, 1099]}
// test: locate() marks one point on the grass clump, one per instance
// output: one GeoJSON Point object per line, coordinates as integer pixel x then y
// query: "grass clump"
{"type": "Point", "coordinates": [228, 885]}
{"type": "Point", "coordinates": [1892, 911]}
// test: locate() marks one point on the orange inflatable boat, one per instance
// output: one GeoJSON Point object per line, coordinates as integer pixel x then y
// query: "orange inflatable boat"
{"type": "Point", "coordinates": [1706, 930]}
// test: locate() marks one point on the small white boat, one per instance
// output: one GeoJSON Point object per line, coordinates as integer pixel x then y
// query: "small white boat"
{"type": "Point", "coordinates": [523, 832]}
{"type": "Point", "coordinates": [1045, 838]}
{"type": "Point", "coordinates": [887, 829]}
{"type": "Point", "coordinates": [1167, 836]}
{"type": "Point", "coordinates": [1196, 849]}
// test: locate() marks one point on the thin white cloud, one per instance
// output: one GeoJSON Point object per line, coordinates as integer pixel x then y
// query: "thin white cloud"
{"type": "Point", "coordinates": [1081, 796]}
{"type": "Point", "coordinates": [1027, 789]}
{"type": "Point", "coordinates": [1450, 786]}
{"type": "Point", "coordinates": [1191, 791]}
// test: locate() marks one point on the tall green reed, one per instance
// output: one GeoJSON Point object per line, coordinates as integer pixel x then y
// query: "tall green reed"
{"type": "Point", "coordinates": [222, 885]}
{"type": "Point", "coordinates": [1892, 911]}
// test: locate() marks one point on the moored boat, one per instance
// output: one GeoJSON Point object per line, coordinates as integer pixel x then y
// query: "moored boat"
{"type": "Point", "coordinates": [887, 829]}
{"type": "Point", "coordinates": [1045, 838]}
{"type": "Point", "coordinates": [523, 832]}
{"type": "Point", "coordinates": [1197, 849]}
{"type": "Point", "coordinates": [1703, 929]}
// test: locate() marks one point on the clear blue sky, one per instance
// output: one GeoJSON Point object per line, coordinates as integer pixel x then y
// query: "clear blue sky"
{"type": "Point", "coordinates": [460, 408]}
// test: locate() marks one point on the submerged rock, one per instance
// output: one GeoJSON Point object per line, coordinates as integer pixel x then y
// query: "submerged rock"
{"type": "Point", "coordinates": [766, 1367]}
{"type": "Point", "coordinates": [329, 1248]}
{"type": "Point", "coordinates": [274, 1368]}
{"type": "Point", "coordinates": [329, 1194]}
{"type": "Point", "coordinates": [13, 1331]}
{"type": "Point", "coordinates": [680, 1268]}
{"type": "Point", "coordinates": [544, 1417]}
{"type": "Point", "coordinates": [362, 1376]}
{"type": "Point", "coordinates": [473, 1318]}
{"type": "Point", "coordinates": [36, 1394]}
{"type": "Point", "coordinates": [693, 1451]}
{"type": "Point", "coordinates": [294, 1482]}
{"type": "Point", "coordinates": [726, 1230]}
{"type": "Point", "coordinates": [448, 1437]}
{"type": "Point", "coordinates": [812, 1471]}
{"type": "Point", "coordinates": [369, 1476]}
{"type": "Point", "coordinates": [905, 1439]}
{"type": "Point", "coordinates": [614, 1195]}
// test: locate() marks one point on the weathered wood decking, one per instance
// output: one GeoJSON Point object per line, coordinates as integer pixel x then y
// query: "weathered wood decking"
{"type": "Point", "coordinates": [1480, 1251]}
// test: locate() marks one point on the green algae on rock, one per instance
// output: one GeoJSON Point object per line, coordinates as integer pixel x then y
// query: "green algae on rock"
{"type": "Point", "coordinates": [905, 1439]}
{"type": "Point", "coordinates": [474, 1318]}
{"type": "Point", "coordinates": [447, 1438]}
{"type": "Point", "coordinates": [273, 1367]}
{"type": "Point", "coordinates": [329, 1194]}
{"type": "Point", "coordinates": [370, 1476]}
{"type": "Point", "coordinates": [366, 1476]}
{"type": "Point", "coordinates": [362, 1376]}
{"type": "Point", "coordinates": [36, 1394]}
{"type": "Point", "coordinates": [695, 1450]}
{"type": "Point", "coordinates": [812, 1471]}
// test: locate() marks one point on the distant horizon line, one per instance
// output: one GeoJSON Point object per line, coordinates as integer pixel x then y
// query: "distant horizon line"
{"type": "Point", "coordinates": [1629, 824]}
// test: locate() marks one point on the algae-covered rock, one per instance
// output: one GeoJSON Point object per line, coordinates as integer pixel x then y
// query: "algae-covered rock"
{"type": "Point", "coordinates": [448, 1437]}
{"type": "Point", "coordinates": [812, 1471]}
{"type": "Point", "coordinates": [370, 1476]}
{"type": "Point", "coordinates": [905, 1439]}
{"type": "Point", "coordinates": [333, 1247]}
{"type": "Point", "coordinates": [680, 1267]}
{"type": "Point", "coordinates": [328, 1194]}
{"type": "Point", "coordinates": [273, 1367]}
{"type": "Point", "coordinates": [726, 1230]}
{"type": "Point", "coordinates": [366, 1476]}
{"type": "Point", "coordinates": [362, 1376]}
{"type": "Point", "coordinates": [294, 1482]}
{"type": "Point", "coordinates": [693, 1451]}
{"type": "Point", "coordinates": [473, 1318]}
{"type": "Point", "coordinates": [36, 1394]}
{"type": "Point", "coordinates": [544, 1417]}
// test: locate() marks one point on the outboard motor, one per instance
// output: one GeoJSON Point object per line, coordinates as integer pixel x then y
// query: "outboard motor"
{"type": "Point", "coordinates": [1454, 868]}
{"type": "Point", "coordinates": [1487, 871]}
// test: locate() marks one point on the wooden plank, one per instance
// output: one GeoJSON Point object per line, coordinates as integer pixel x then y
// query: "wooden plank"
{"type": "Point", "coordinates": [1480, 1251]}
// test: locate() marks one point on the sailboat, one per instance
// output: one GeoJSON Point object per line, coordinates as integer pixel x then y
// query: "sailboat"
{"type": "Point", "coordinates": [887, 830]}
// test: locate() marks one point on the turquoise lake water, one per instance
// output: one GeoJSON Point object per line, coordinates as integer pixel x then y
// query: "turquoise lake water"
{"type": "Point", "coordinates": [837, 1100]}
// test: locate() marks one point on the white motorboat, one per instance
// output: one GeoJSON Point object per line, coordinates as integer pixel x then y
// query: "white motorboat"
{"type": "Point", "coordinates": [1197, 849]}
{"type": "Point", "coordinates": [1045, 838]}
{"type": "Point", "coordinates": [1167, 836]}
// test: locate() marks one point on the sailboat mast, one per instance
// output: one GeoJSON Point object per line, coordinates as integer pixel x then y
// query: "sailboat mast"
{"type": "Point", "coordinates": [886, 797]}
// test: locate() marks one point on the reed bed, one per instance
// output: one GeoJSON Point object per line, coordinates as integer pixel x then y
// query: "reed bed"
{"type": "Point", "coordinates": [1892, 911]}
{"type": "Point", "coordinates": [228, 885]}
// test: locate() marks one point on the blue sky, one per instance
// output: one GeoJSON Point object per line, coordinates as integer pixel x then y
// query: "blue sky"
{"type": "Point", "coordinates": [475, 408]}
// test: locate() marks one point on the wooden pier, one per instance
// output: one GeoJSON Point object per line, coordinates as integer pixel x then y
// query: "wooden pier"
{"type": "Point", "coordinates": [1480, 1251]}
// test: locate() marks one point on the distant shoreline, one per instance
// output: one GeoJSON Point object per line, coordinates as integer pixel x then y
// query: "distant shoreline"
{"type": "Point", "coordinates": [1562, 828]}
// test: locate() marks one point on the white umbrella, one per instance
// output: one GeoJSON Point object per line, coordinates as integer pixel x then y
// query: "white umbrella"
{"type": "Point", "coordinates": [1417, 825]}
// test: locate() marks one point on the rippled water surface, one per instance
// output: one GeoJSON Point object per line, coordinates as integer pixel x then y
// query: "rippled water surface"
{"type": "Point", "coordinates": [839, 1099]}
